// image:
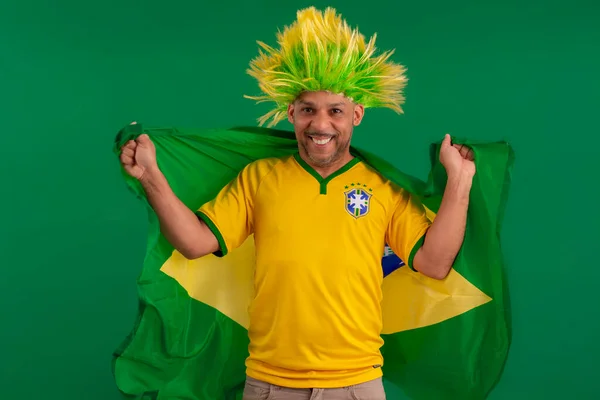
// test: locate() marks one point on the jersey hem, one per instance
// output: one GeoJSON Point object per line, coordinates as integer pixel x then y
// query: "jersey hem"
{"type": "Point", "coordinates": [418, 244]}
{"type": "Point", "coordinates": [213, 227]}
{"type": "Point", "coordinates": [307, 383]}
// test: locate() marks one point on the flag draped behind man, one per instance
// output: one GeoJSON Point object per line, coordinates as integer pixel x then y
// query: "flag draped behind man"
{"type": "Point", "coordinates": [443, 339]}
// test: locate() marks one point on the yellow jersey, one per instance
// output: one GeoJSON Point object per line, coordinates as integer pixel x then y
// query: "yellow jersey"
{"type": "Point", "coordinates": [316, 317]}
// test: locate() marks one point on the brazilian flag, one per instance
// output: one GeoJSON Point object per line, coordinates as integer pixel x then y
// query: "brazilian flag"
{"type": "Point", "coordinates": [443, 339]}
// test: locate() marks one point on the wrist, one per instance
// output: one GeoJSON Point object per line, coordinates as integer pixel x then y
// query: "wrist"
{"type": "Point", "coordinates": [459, 184]}
{"type": "Point", "coordinates": [460, 176]}
{"type": "Point", "coordinates": [152, 178]}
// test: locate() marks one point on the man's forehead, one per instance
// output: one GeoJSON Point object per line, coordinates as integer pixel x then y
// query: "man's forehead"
{"type": "Point", "coordinates": [322, 103]}
{"type": "Point", "coordinates": [323, 99]}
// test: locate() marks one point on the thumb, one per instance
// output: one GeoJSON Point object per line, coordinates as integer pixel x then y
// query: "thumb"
{"type": "Point", "coordinates": [447, 142]}
{"type": "Point", "coordinates": [143, 140]}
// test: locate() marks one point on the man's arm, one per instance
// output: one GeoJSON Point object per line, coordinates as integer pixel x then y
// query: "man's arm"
{"type": "Point", "coordinates": [180, 225]}
{"type": "Point", "coordinates": [445, 236]}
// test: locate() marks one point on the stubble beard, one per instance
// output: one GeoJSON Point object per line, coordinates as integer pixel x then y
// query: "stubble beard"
{"type": "Point", "coordinates": [321, 162]}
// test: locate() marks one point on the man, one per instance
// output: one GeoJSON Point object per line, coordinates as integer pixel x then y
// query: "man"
{"type": "Point", "coordinates": [320, 218]}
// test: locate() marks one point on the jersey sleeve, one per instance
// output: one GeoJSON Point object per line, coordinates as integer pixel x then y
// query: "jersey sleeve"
{"type": "Point", "coordinates": [230, 214]}
{"type": "Point", "coordinates": [407, 228]}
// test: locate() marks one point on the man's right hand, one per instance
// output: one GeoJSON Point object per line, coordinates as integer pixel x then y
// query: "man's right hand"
{"type": "Point", "coordinates": [138, 157]}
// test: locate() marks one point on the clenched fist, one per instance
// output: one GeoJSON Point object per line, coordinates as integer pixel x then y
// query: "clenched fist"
{"type": "Point", "coordinates": [457, 159]}
{"type": "Point", "coordinates": [139, 156]}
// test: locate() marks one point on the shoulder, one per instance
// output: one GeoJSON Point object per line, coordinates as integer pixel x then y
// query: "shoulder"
{"type": "Point", "coordinates": [267, 164]}
{"type": "Point", "coordinates": [378, 179]}
{"type": "Point", "coordinates": [257, 170]}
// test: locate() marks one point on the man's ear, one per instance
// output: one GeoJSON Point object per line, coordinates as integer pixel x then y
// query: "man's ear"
{"type": "Point", "coordinates": [359, 113]}
{"type": "Point", "coordinates": [290, 112]}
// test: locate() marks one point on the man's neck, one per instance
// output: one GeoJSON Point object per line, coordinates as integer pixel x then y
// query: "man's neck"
{"type": "Point", "coordinates": [327, 170]}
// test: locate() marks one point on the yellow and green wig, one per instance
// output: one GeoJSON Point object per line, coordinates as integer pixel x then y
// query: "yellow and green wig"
{"type": "Point", "coordinates": [320, 52]}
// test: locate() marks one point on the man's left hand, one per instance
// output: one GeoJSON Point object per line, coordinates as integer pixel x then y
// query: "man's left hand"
{"type": "Point", "coordinates": [457, 159]}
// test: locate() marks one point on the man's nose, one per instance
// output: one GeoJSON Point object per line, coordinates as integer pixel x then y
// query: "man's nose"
{"type": "Point", "coordinates": [320, 122]}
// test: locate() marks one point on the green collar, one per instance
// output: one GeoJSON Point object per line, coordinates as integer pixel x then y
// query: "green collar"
{"type": "Point", "coordinates": [324, 181]}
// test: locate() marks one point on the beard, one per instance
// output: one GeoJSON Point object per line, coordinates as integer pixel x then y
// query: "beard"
{"type": "Point", "coordinates": [325, 160]}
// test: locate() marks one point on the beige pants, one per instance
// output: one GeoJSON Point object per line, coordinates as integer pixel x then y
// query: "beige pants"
{"type": "Point", "coordinates": [258, 390]}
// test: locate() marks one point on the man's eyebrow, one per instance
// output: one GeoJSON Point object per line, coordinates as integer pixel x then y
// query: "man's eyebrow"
{"type": "Point", "coordinates": [310, 103]}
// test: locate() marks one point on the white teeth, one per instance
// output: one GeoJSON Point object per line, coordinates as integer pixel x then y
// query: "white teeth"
{"type": "Point", "coordinates": [321, 141]}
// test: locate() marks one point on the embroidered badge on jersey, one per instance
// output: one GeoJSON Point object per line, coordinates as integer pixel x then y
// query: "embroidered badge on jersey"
{"type": "Point", "coordinates": [358, 199]}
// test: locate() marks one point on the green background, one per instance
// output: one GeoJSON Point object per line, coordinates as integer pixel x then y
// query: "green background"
{"type": "Point", "coordinates": [72, 237]}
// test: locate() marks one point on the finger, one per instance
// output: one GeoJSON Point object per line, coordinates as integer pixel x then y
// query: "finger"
{"type": "Point", "coordinates": [128, 151]}
{"type": "Point", "coordinates": [130, 144]}
{"type": "Point", "coordinates": [470, 154]}
{"type": "Point", "coordinates": [467, 153]}
{"type": "Point", "coordinates": [462, 149]}
{"type": "Point", "coordinates": [126, 159]}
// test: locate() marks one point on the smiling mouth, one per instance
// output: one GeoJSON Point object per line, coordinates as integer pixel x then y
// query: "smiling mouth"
{"type": "Point", "coordinates": [321, 140]}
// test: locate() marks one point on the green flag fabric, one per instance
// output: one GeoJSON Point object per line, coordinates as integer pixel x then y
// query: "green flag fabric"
{"type": "Point", "coordinates": [444, 339]}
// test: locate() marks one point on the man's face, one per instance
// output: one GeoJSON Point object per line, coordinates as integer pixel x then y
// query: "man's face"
{"type": "Point", "coordinates": [323, 123]}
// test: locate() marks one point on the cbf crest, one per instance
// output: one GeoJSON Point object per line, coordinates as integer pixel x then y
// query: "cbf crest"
{"type": "Point", "coordinates": [358, 200]}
